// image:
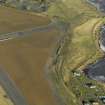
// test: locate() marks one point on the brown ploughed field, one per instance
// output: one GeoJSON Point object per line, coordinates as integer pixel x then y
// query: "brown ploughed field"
{"type": "Point", "coordinates": [24, 58]}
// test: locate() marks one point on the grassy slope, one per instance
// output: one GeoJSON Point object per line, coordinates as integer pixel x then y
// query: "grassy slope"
{"type": "Point", "coordinates": [82, 46]}
{"type": "Point", "coordinates": [72, 11]}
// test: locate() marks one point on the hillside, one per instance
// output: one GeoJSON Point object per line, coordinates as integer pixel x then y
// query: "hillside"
{"type": "Point", "coordinates": [79, 48]}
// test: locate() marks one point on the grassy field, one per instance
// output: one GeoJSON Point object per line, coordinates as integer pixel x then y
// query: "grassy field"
{"type": "Point", "coordinates": [29, 5]}
{"type": "Point", "coordinates": [81, 47]}
{"type": "Point", "coordinates": [25, 58]}
{"type": "Point", "coordinates": [72, 11]}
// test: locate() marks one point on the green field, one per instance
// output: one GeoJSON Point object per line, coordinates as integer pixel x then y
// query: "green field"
{"type": "Point", "coordinates": [80, 48]}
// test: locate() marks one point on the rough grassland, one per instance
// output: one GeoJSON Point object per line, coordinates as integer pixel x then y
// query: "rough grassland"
{"type": "Point", "coordinates": [81, 46]}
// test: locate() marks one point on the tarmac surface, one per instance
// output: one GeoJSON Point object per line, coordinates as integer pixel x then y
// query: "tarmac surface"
{"type": "Point", "coordinates": [12, 91]}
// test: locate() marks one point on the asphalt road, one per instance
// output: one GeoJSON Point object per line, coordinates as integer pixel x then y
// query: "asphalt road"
{"type": "Point", "coordinates": [11, 35]}
{"type": "Point", "coordinates": [11, 89]}
{"type": "Point", "coordinates": [99, 4]}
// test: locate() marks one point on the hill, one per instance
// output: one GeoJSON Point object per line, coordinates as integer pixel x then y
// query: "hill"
{"type": "Point", "coordinates": [80, 48]}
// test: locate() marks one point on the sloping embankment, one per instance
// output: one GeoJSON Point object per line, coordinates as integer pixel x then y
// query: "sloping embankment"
{"type": "Point", "coordinates": [55, 71]}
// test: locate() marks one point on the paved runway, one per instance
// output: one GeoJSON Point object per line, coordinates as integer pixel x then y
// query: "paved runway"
{"type": "Point", "coordinates": [11, 35]}
{"type": "Point", "coordinates": [11, 89]}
